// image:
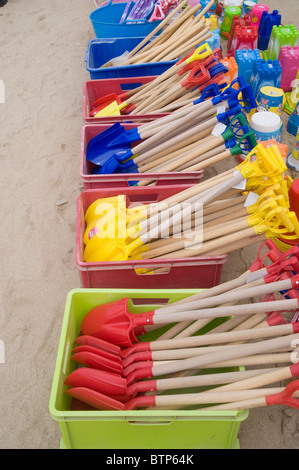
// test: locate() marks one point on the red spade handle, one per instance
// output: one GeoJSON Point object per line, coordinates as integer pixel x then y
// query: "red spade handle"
{"type": "Point", "coordinates": [286, 396]}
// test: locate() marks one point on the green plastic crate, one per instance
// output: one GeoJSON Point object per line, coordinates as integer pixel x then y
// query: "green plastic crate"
{"type": "Point", "coordinates": [137, 429]}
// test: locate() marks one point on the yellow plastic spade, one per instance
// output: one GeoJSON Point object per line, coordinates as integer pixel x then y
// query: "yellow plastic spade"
{"type": "Point", "coordinates": [113, 109]}
{"type": "Point", "coordinates": [100, 206]}
{"type": "Point", "coordinates": [262, 167]}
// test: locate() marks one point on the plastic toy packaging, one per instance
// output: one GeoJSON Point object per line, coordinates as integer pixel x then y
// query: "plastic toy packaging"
{"type": "Point", "coordinates": [161, 9]}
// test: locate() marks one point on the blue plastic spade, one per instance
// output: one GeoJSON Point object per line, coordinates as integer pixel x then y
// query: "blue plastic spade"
{"type": "Point", "coordinates": [113, 142]}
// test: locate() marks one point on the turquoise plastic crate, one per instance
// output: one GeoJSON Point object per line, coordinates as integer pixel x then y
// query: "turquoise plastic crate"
{"type": "Point", "coordinates": [137, 429]}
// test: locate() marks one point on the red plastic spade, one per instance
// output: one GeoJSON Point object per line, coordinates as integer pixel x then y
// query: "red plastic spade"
{"type": "Point", "coordinates": [100, 381]}
{"type": "Point", "coordinates": [113, 322]}
{"type": "Point", "coordinates": [97, 343]}
{"type": "Point", "coordinates": [98, 361]}
{"type": "Point", "coordinates": [274, 396]}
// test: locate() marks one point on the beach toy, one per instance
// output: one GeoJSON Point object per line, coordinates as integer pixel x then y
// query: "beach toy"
{"type": "Point", "coordinates": [293, 123]}
{"type": "Point", "coordinates": [283, 149]}
{"type": "Point", "coordinates": [268, 20]}
{"type": "Point", "coordinates": [270, 99]}
{"type": "Point", "coordinates": [161, 9]}
{"type": "Point", "coordinates": [289, 61]}
{"type": "Point", "coordinates": [229, 4]}
{"type": "Point", "coordinates": [245, 60]}
{"type": "Point", "coordinates": [265, 73]}
{"type": "Point", "coordinates": [244, 21]}
{"type": "Point", "coordinates": [214, 40]}
{"type": "Point", "coordinates": [266, 125]}
{"type": "Point", "coordinates": [247, 7]}
{"type": "Point", "coordinates": [280, 36]}
{"type": "Point", "coordinates": [256, 14]}
{"type": "Point", "coordinates": [245, 38]}
{"type": "Point", "coordinates": [292, 97]}
{"type": "Point", "coordinates": [219, 7]}
{"type": "Point", "coordinates": [232, 66]}
{"type": "Point", "coordinates": [212, 22]}
{"type": "Point", "coordinates": [226, 24]}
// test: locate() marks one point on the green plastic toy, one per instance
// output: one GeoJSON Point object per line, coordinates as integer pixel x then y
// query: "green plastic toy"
{"type": "Point", "coordinates": [280, 36]}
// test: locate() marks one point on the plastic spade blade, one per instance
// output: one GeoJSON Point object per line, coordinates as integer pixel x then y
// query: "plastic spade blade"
{"type": "Point", "coordinates": [100, 381]}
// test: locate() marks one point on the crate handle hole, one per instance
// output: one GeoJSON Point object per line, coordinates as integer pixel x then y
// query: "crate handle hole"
{"type": "Point", "coordinates": [156, 271]}
{"type": "Point", "coordinates": [159, 301]}
{"type": "Point", "coordinates": [141, 198]}
{"type": "Point", "coordinates": [129, 86]}
{"type": "Point", "coordinates": [66, 356]}
{"type": "Point", "coordinates": [150, 423]}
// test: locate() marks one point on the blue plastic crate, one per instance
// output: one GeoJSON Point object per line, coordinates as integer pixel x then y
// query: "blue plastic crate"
{"type": "Point", "coordinates": [101, 51]}
{"type": "Point", "coordinates": [105, 22]}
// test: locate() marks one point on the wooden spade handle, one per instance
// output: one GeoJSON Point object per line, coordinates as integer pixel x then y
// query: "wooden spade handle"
{"type": "Point", "coordinates": [209, 161]}
{"type": "Point", "coordinates": [181, 138]}
{"type": "Point", "coordinates": [255, 360]}
{"type": "Point", "coordinates": [164, 222]}
{"type": "Point", "coordinates": [201, 107]}
{"type": "Point", "coordinates": [283, 373]}
{"type": "Point", "coordinates": [175, 40]}
{"type": "Point", "coordinates": [186, 329]}
{"type": "Point", "coordinates": [232, 296]}
{"type": "Point", "coordinates": [212, 246]}
{"type": "Point", "coordinates": [158, 27]}
{"type": "Point", "coordinates": [201, 37]}
{"type": "Point", "coordinates": [242, 350]}
{"type": "Point", "coordinates": [220, 312]}
{"type": "Point", "coordinates": [232, 212]}
{"type": "Point", "coordinates": [208, 379]}
{"type": "Point", "coordinates": [200, 151]}
{"type": "Point", "coordinates": [156, 163]}
{"type": "Point", "coordinates": [187, 347]}
{"type": "Point", "coordinates": [237, 245]}
{"type": "Point", "coordinates": [167, 32]}
{"type": "Point", "coordinates": [256, 396]}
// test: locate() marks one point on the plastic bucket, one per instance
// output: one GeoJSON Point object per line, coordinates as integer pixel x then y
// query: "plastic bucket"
{"type": "Point", "coordinates": [105, 22]}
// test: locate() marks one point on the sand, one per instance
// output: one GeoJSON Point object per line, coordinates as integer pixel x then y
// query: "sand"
{"type": "Point", "coordinates": [42, 47]}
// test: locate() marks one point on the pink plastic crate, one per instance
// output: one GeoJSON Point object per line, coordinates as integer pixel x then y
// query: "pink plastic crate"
{"type": "Point", "coordinates": [200, 272]}
{"type": "Point", "coordinates": [89, 131]}
{"type": "Point", "coordinates": [95, 89]}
